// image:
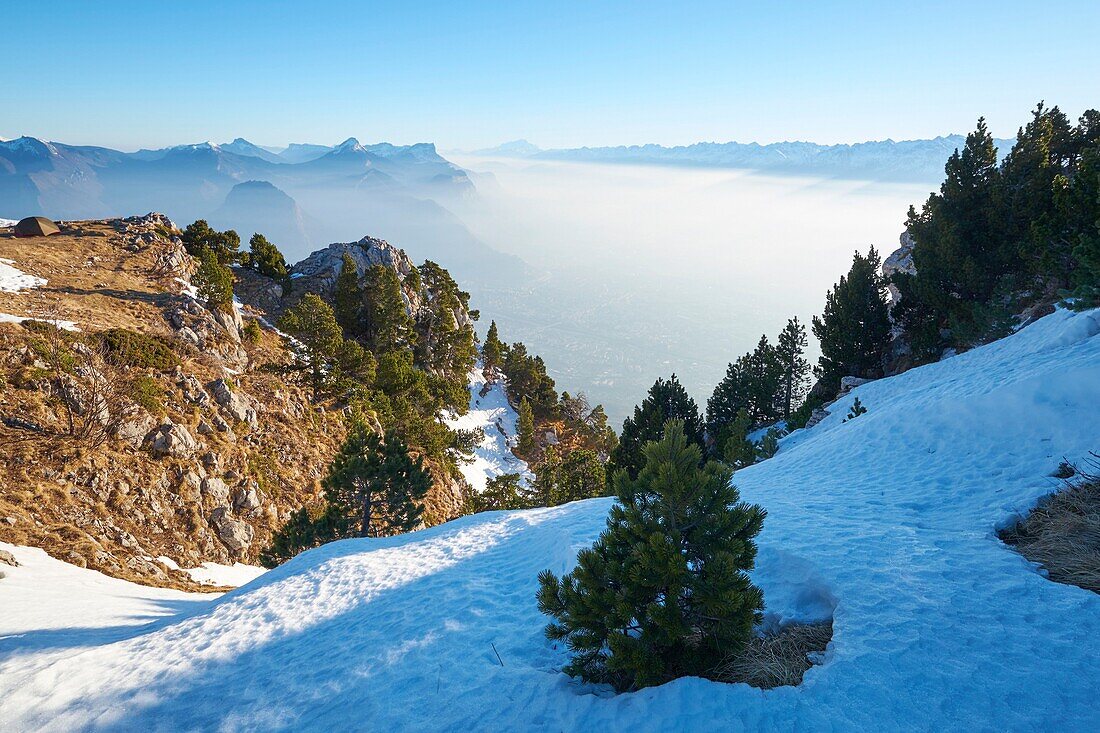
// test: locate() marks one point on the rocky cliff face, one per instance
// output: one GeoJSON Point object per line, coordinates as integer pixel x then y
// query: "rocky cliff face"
{"type": "Point", "coordinates": [184, 444]}
{"type": "Point", "coordinates": [317, 274]}
{"type": "Point", "coordinates": [187, 450]}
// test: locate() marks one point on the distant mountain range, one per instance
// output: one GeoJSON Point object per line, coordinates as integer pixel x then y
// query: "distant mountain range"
{"type": "Point", "coordinates": [886, 160]}
{"type": "Point", "coordinates": [301, 197]}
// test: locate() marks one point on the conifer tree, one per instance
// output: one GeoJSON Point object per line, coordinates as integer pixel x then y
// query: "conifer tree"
{"type": "Point", "coordinates": [854, 329]}
{"type": "Point", "coordinates": [501, 492]}
{"type": "Point", "coordinates": [378, 486]}
{"type": "Point", "coordinates": [791, 350]}
{"type": "Point", "coordinates": [389, 326]}
{"type": "Point", "coordinates": [729, 401]}
{"type": "Point", "coordinates": [962, 252]}
{"type": "Point", "coordinates": [198, 236]}
{"type": "Point", "coordinates": [312, 322]}
{"type": "Point", "coordinates": [764, 383]}
{"type": "Point", "coordinates": [214, 282]}
{"type": "Point", "coordinates": [857, 410]}
{"type": "Point", "coordinates": [348, 298]}
{"type": "Point", "coordinates": [527, 378]}
{"type": "Point", "coordinates": [768, 445]}
{"type": "Point", "coordinates": [559, 479]}
{"type": "Point", "coordinates": [667, 400]}
{"type": "Point", "coordinates": [445, 347]}
{"type": "Point", "coordinates": [525, 428]}
{"type": "Point", "coordinates": [663, 593]}
{"type": "Point", "coordinates": [733, 443]}
{"type": "Point", "coordinates": [302, 532]}
{"type": "Point", "coordinates": [492, 351]}
{"type": "Point", "coordinates": [266, 259]}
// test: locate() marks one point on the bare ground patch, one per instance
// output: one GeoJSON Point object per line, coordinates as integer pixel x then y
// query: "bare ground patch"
{"type": "Point", "coordinates": [777, 659]}
{"type": "Point", "coordinates": [1062, 533]}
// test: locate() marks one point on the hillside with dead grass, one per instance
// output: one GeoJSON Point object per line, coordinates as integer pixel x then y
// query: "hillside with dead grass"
{"type": "Point", "coordinates": [167, 434]}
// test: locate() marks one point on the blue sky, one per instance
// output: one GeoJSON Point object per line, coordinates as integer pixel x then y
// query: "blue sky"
{"type": "Point", "coordinates": [463, 75]}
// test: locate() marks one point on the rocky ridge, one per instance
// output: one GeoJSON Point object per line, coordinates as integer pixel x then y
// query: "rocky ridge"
{"type": "Point", "coordinates": [223, 448]}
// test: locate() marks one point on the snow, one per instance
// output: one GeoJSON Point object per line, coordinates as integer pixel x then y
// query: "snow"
{"type": "Point", "coordinates": [13, 280]}
{"type": "Point", "coordinates": [67, 325]}
{"type": "Point", "coordinates": [212, 573]}
{"type": "Point", "coordinates": [497, 419]}
{"type": "Point", "coordinates": [7, 222]}
{"type": "Point", "coordinates": [51, 609]}
{"type": "Point", "coordinates": [887, 523]}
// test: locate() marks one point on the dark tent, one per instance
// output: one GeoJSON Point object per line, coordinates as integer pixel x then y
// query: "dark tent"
{"type": "Point", "coordinates": [35, 226]}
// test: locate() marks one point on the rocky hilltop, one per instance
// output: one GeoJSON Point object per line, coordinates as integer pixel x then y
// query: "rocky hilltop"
{"type": "Point", "coordinates": [142, 431]}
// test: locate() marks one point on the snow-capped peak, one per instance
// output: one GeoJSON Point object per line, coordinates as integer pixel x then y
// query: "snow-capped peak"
{"type": "Point", "coordinates": [351, 145]}
{"type": "Point", "coordinates": [28, 146]}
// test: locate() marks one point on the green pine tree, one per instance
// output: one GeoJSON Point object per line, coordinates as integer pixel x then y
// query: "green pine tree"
{"type": "Point", "coordinates": [198, 236]}
{"type": "Point", "coordinates": [492, 351]}
{"type": "Point", "coordinates": [378, 486]}
{"type": "Point", "coordinates": [446, 346]}
{"type": "Point", "coordinates": [525, 429]}
{"type": "Point", "coordinates": [302, 532]}
{"type": "Point", "coordinates": [312, 322]}
{"type": "Point", "coordinates": [501, 492]}
{"type": "Point", "coordinates": [733, 442]}
{"type": "Point", "coordinates": [348, 298]}
{"type": "Point", "coordinates": [214, 282]}
{"type": "Point", "coordinates": [791, 350]}
{"type": "Point", "coordinates": [854, 329]}
{"type": "Point", "coordinates": [266, 259]}
{"type": "Point", "coordinates": [664, 592]}
{"type": "Point", "coordinates": [389, 327]}
{"type": "Point", "coordinates": [667, 400]}
{"type": "Point", "coordinates": [857, 410]}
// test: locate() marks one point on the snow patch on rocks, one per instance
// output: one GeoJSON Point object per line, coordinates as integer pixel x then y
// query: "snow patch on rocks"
{"type": "Point", "coordinates": [67, 325]}
{"type": "Point", "coordinates": [235, 575]}
{"type": "Point", "coordinates": [490, 412]}
{"type": "Point", "coordinates": [12, 280]}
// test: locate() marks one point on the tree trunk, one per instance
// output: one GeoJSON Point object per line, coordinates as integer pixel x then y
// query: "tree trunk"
{"type": "Point", "coordinates": [364, 522]}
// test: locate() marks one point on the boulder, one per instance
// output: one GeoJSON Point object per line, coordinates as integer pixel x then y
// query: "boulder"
{"type": "Point", "coordinates": [247, 497]}
{"type": "Point", "coordinates": [216, 489]}
{"type": "Point", "coordinates": [899, 261]}
{"type": "Point", "coordinates": [231, 323]}
{"type": "Point", "coordinates": [816, 416]}
{"type": "Point", "coordinates": [211, 460]}
{"type": "Point", "coordinates": [8, 559]}
{"type": "Point", "coordinates": [235, 404]}
{"type": "Point", "coordinates": [847, 384]}
{"type": "Point", "coordinates": [174, 440]}
{"type": "Point", "coordinates": [135, 429]}
{"type": "Point", "coordinates": [234, 534]}
{"type": "Point", "coordinates": [192, 389]}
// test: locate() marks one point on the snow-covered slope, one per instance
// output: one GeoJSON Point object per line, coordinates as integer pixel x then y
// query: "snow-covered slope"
{"type": "Point", "coordinates": [886, 522]}
{"type": "Point", "coordinates": [494, 416]}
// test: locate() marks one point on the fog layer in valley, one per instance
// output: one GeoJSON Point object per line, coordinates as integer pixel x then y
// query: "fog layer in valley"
{"type": "Point", "coordinates": [652, 270]}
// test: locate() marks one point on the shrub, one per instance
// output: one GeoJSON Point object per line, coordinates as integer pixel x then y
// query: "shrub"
{"type": "Point", "coordinates": [252, 332]}
{"type": "Point", "coordinates": [857, 410]}
{"type": "Point", "coordinates": [134, 349]}
{"type": "Point", "coordinates": [147, 392]}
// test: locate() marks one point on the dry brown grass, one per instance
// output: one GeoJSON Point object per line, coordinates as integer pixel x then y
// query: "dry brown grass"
{"type": "Point", "coordinates": [779, 659]}
{"type": "Point", "coordinates": [1063, 534]}
{"type": "Point", "coordinates": [96, 280]}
